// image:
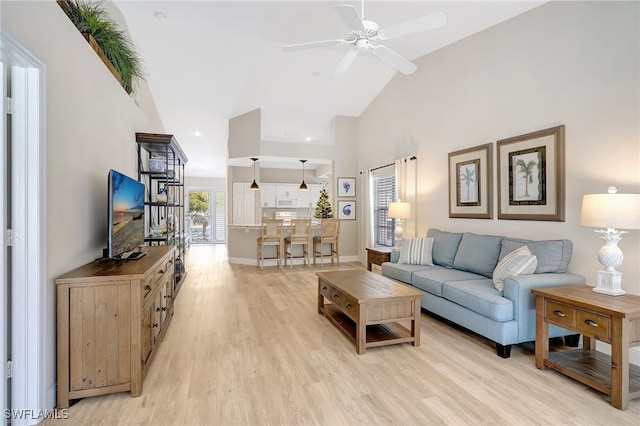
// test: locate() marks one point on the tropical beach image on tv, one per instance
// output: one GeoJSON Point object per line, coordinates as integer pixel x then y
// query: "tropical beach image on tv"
{"type": "Point", "coordinates": [126, 214]}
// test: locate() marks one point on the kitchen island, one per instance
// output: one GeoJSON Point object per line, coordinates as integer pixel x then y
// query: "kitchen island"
{"type": "Point", "coordinates": [242, 246]}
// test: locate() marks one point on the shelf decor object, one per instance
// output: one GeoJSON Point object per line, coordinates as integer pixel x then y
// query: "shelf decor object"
{"type": "Point", "coordinates": [303, 186]}
{"type": "Point", "coordinates": [398, 211]}
{"type": "Point", "coordinates": [610, 211]}
{"type": "Point", "coordinates": [470, 183]}
{"type": "Point", "coordinates": [254, 185]}
{"type": "Point", "coordinates": [531, 176]}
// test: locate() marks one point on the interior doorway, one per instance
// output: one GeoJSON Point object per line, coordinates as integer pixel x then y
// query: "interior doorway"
{"type": "Point", "coordinates": [206, 220]}
{"type": "Point", "coordinates": [23, 315]}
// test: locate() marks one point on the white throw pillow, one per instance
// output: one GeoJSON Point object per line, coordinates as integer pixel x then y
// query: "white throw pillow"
{"type": "Point", "coordinates": [416, 251]}
{"type": "Point", "coordinates": [518, 262]}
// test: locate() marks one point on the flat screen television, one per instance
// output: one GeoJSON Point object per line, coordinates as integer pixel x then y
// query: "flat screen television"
{"type": "Point", "coordinates": [126, 215]}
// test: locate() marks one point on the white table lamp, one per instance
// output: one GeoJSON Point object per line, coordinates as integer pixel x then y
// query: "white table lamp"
{"type": "Point", "coordinates": [610, 211]}
{"type": "Point", "coordinates": [399, 211]}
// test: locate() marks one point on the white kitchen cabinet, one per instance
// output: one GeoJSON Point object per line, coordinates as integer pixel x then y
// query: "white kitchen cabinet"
{"type": "Point", "coordinates": [268, 192]}
{"type": "Point", "coordinates": [244, 204]}
{"type": "Point", "coordinates": [303, 198]}
{"type": "Point", "coordinates": [314, 196]}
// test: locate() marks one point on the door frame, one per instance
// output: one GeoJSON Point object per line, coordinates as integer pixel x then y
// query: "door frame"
{"type": "Point", "coordinates": [28, 246]}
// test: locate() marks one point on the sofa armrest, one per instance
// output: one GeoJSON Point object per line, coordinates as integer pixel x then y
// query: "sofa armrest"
{"type": "Point", "coordinates": [518, 290]}
{"type": "Point", "coordinates": [395, 255]}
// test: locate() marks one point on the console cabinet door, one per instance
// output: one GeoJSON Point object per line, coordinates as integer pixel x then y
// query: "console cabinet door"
{"type": "Point", "coordinates": [99, 336]}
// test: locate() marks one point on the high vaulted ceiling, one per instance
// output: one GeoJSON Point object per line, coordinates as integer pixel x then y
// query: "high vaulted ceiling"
{"type": "Point", "coordinates": [209, 61]}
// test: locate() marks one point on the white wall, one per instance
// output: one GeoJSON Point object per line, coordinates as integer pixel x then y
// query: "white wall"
{"type": "Point", "coordinates": [90, 128]}
{"type": "Point", "coordinates": [571, 63]}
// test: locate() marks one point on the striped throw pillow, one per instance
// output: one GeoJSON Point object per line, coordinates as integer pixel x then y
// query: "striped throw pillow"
{"type": "Point", "coordinates": [416, 251]}
{"type": "Point", "coordinates": [518, 262]}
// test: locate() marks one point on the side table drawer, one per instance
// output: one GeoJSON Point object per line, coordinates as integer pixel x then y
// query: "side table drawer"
{"type": "Point", "coordinates": [561, 313]}
{"type": "Point", "coordinates": [598, 325]}
{"type": "Point", "coordinates": [378, 258]}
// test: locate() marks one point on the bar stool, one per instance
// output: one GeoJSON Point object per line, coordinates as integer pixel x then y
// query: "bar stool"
{"type": "Point", "coordinates": [271, 236]}
{"type": "Point", "coordinates": [330, 234]}
{"type": "Point", "coordinates": [300, 233]}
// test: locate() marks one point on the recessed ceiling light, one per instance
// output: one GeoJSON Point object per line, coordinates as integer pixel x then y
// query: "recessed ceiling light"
{"type": "Point", "coordinates": [197, 133]}
{"type": "Point", "coordinates": [160, 16]}
{"type": "Point", "coordinates": [308, 138]}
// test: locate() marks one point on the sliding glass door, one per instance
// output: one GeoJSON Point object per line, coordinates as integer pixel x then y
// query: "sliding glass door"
{"type": "Point", "coordinates": [206, 216]}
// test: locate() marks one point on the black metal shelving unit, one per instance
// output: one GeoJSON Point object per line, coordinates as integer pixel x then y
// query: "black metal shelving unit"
{"type": "Point", "coordinates": [164, 151]}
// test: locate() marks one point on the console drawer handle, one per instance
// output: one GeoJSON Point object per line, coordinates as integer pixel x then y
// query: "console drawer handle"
{"type": "Point", "coordinates": [559, 313]}
{"type": "Point", "coordinates": [348, 306]}
{"type": "Point", "coordinates": [324, 288]}
{"type": "Point", "coordinates": [592, 323]}
{"type": "Point", "coordinates": [335, 296]}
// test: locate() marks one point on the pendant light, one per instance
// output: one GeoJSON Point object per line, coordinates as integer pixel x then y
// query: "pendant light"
{"type": "Point", "coordinates": [303, 186]}
{"type": "Point", "coordinates": [254, 186]}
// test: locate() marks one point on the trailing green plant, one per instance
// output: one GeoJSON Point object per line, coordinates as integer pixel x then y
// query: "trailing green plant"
{"type": "Point", "coordinates": [91, 17]}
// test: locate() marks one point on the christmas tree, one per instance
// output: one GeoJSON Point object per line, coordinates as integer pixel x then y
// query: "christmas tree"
{"type": "Point", "coordinates": [323, 208]}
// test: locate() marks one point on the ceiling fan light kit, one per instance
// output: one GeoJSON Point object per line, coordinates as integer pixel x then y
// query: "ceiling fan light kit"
{"type": "Point", "coordinates": [363, 35]}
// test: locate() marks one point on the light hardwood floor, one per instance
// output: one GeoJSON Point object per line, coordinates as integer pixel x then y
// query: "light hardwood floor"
{"type": "Point", "coordinates": [247, 347]}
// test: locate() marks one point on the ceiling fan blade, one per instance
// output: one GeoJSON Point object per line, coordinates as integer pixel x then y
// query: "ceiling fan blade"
{"type": "Point", "coordinates": [350, 15]}
{"type": "Point", "coordinates": [392, 58]}
{"type": "Point", "coordinates": [428, 22]}
{"type": "Point", "coordinates": [313, 44]}
{"type": "Point", "coordinates": [345, 63]}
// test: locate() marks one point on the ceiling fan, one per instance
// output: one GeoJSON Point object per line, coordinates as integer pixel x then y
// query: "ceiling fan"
{"type": "Point", "coordinates": [364, 34]}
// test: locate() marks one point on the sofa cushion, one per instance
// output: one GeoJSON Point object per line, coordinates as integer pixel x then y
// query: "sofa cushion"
{"type": "Point", "coordinates": [552, 255]}
{"type": "Point", "coordinates": [400, 271]}
{"type": "Point", "coordinates": [416, 251]}
{"type": "Point", "coordinates": [431, 280]}
{"type": "Point", "coordinates": [478, 253]}
{"type": "Point", "coordinates": [518, 262]}
{"type": "Point", "coordinates": [445, 246]}
{"type": "Point", "coordinates": [479, 296]}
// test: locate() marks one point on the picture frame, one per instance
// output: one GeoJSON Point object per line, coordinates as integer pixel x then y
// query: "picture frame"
{"type": "Point", "coordinates": [346, 187]}
{"type": "Point", "coordinates": [531, 176]}
{"type": "Point", "coordinates": [347, 210]}
{"type": "Point", "coordinates": [471, 182]}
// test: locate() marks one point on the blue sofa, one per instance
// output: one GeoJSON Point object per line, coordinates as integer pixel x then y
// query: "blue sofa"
{"type": "Point", "coordinates": [459, 287]}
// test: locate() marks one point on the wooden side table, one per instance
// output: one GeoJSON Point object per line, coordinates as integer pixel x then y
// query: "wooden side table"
{"type": "Point", "coordinates": [611, 319]}
{"type": "Point", "coordinates": [377, 256]}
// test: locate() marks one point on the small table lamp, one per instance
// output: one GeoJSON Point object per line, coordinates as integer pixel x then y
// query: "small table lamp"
{"type": "Point", "coordinates": [399, 211]}
{"type": "Point", "coordinates": [610, 211]}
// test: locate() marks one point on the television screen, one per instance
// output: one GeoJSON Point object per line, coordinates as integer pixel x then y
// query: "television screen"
{"type": "Point", "coordinates": [126, 214]}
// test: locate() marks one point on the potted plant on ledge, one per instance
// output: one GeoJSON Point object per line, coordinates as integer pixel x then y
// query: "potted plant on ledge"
{"type": "Point", "coordinates": [107, 39]}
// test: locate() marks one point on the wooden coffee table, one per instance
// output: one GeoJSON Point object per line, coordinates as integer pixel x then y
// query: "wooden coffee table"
{"type": "Point", "coordinates": [368, 307]}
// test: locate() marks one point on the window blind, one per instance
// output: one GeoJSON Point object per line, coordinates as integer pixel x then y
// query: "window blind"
{"type": "Point", "coordinates": [384, 189]}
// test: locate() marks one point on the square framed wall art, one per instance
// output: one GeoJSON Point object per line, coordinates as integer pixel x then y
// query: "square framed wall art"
{"type": "Point", "coordinates": [346, 187]}
{"type": "Point", "coordinates": [471, 183]}
{"type": "Point", "coordinates": [531, 176]}
{"type": "Point", "coordinates": [346, 210]}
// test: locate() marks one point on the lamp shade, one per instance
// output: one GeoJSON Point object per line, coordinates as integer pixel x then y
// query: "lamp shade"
{"type": "Point", "coordinates": [399, 210]}
{"type": "Point", "coordinates": [620, 211]}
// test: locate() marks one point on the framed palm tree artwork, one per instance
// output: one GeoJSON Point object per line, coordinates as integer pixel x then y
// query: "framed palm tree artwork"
{"type": "Point", "coordinates": [470, 183]}
{"type": "Point", "coordinates": [531, 176]}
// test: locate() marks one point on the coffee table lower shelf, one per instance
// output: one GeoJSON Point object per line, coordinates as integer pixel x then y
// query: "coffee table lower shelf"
{"type": "Point", "coordinates": [377, 334]}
